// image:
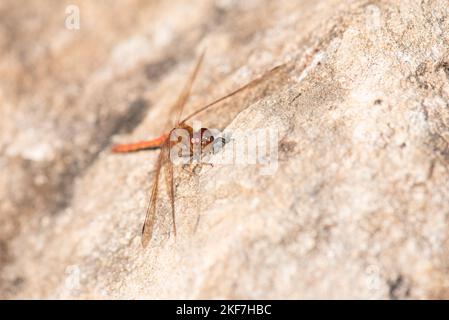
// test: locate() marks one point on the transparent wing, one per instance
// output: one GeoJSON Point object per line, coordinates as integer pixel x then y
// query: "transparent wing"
{"type": "Point", "coordinates": [150, 217]}
{"type": "Point", "coordinates": [262, 81]}
{"type": "Point", "coordinates": [168, 165]}
{"type": "Point", "coordinates": [164, 161]}
{"type": "Point", "coordinates": [178, 107]}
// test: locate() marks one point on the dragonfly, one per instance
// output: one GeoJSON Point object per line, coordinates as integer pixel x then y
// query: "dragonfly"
{"type": "Point", "coordinates": [165, 143]}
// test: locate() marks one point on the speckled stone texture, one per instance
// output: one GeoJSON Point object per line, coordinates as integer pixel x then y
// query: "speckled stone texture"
{"type": "Point", "coordinates": [358, 206]}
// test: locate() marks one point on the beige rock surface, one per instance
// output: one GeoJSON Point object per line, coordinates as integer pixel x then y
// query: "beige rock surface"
{"type": "Point", "coordinates": [359, 205]}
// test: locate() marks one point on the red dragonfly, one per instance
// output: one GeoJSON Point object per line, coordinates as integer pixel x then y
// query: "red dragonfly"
{"type": "Point", "coordinates": [166, 144]}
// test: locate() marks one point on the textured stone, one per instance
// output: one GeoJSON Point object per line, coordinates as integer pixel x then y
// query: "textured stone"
{"type": "Point", "coordinates": [358, 207]}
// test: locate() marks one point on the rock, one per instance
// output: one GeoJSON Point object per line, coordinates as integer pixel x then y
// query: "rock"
{"type": "Point", "coordinates": [357, 207]}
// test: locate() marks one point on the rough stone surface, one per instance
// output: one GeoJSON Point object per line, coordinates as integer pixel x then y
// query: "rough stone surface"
{"type": "Point", "coordinates": [359, 205]}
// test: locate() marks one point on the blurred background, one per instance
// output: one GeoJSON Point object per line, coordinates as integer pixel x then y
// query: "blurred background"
{"type": "Point", "coordinates": [75, 73]}
{"type": "Point", "coordinates": [358, 206]}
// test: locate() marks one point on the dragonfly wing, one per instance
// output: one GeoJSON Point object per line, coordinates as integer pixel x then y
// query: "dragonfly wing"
{"type": "Point", "coordinates": [178, 107]}
{"type": "Point", "coordinates": [163, 160]}
{"type": "Point", "coordinates": [279, 69]}
{"type": "Point", "coordinates": [148, 225]}
{"type": "Point", "coordinates": [170, 187]}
